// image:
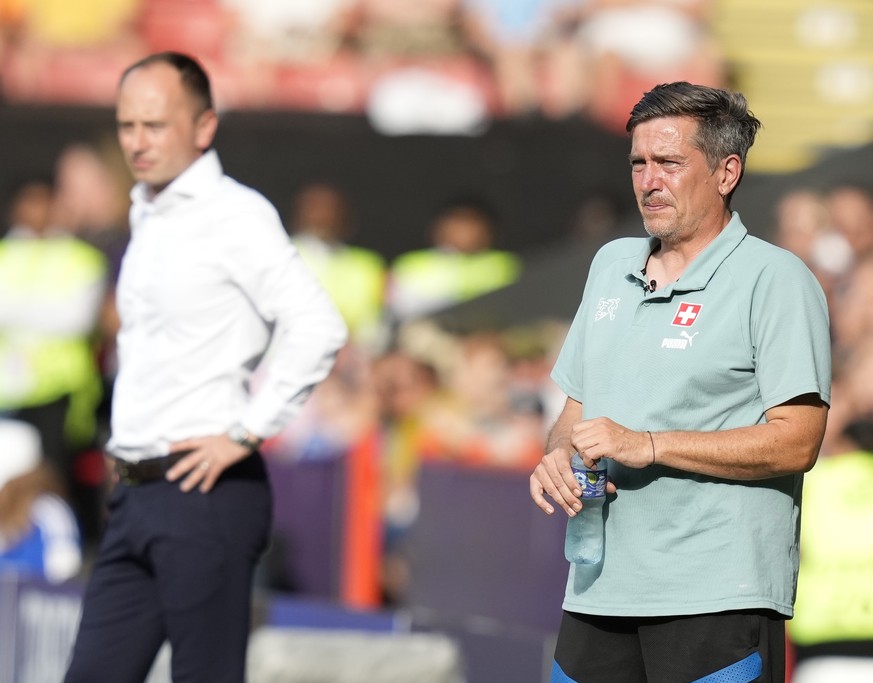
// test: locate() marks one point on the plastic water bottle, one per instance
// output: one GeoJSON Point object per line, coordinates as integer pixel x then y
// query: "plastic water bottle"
{"type": "Point", "coordinates": [584, 541]}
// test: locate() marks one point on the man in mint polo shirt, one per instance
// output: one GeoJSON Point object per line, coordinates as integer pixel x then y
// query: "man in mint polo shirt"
{"type": "Point", "coordinates": [698, 366]}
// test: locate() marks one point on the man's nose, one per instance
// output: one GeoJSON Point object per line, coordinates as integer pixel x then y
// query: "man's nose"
{"type": "Point", "coordinates": [136, 139]}
{"type": "Point", "coordinates": [648, 178]}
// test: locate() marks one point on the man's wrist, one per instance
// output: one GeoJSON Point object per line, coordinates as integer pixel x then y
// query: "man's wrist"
{"type": "Point", "coordinates": [240, 435]}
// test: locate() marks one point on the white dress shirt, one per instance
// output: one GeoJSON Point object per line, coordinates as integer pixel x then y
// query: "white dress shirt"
{"type": "Point", "coordinates": [209, 282]}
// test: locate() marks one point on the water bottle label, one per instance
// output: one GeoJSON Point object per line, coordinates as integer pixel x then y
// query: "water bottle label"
{"type": "Point", "coordinates": [592, 482]}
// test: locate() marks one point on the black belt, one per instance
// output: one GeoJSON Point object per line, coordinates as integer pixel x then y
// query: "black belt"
{"type": "Point", "coordinates": [155, 469]}
{"type": "Point", "coordinates": [144, 471]}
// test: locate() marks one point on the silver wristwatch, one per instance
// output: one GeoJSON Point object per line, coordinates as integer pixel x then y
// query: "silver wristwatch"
{"type": "Point", "coordinates": [239, 434]}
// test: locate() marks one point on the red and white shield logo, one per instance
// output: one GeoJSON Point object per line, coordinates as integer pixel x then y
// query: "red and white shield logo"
{"type": "Point", "coordinates": [686, 315]}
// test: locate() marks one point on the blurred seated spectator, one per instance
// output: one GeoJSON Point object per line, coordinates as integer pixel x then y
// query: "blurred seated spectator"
{"type": "Point", "coordinates": [632, 45]}
{"type": "Point", "coordinates": [419, 63]}
{"type": "Point", "coordinates": [38, 531]}
{"type": "Point", "coordinates": [856, 371]}
{"type": "Point", "coordinates": [851, 212]}
{"type": "Point", "coordinates": [852, 310]}
{"type": "Point", "coordinates": [80, 24]}
{"type": "Point", "coordinates": [408, 391]}
{"type": "Point", "coordinates": [445, 98]}
{"type": "Point", "coordinates": [335, 417]}
{"type": "Point", "coordinates": [485, 422]}
{"type": "Point", "coordinates": [282, 31]}
{"type": "Point", "coordinates": [51, 293]}
{"type": "Point", "coordinates": [319, 224]}
{"type": "Point", "coordinates": [533, 349]}
{"type": "Point", "coordinates": [390, 30]}
{"type": "Point", "coordinates": [69, 52]}
{"type": "Point", "coordinates": [91, 200]}
{"type": "Point", "coordinates": [803, 226]}
{"type": "Point", "coordinates": [801, 219]}
{"type": "Point", "coordinates": [199, 27]}
{"type": "Point", "coordinates": [462, 263]}
{"type": "Point", "coordinates": [533, 51]}
{"type": "Point", "coordinates": [832, 629]}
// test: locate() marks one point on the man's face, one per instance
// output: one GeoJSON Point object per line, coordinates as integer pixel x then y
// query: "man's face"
{"type": "Point", "coordinates": [675, 189]}
{"type": "Point", "coordinates": [161, 128]}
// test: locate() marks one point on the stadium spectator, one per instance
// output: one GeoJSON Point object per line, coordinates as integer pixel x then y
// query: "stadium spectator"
{"type": "Point", "coordinates": [340, 409]}
{"type": "Point", "coordinates": [52, 288]}
{"type": "Point", "coordinates": [320, 225]}
{"type": "Point", "coordinates": [832, 631]}
{"type": "Point", "coordinates": [485, 422]}
{"type": "Point", "coordinates": [94, 22]}
{"type": "Point", "coordinates": [386, 31]}
{"type": "Point", "coordinates": [67, 52]}
{"type": "Point", "coordinates": [851, 212]}
{"type": "Point", "coordinates": [91, 200]}
{"type": "Point", "coordinates": [408, 392]}
{"type": "Point", "coordinates": [801, 219]}
{"type": "Point", "coordinates": [276, 31]}
{"type": "Point", "coordinates": [461, 263]}
{"type": "Point", "coordinates": [421, 72]}
{"type": "Point", "coordinates": [852, 318]}
{"type": "Point", "coordinates": [632, 45]}
{"type": "Point", "coordinates": [532, 49]}
{"type": "Point", "coordinates": [39, 533]}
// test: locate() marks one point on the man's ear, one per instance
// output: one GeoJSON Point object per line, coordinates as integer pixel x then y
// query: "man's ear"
{"type": "Point", "coordinates": [205, 128]}
{"type": "Point", "coordinates": [730, 172]}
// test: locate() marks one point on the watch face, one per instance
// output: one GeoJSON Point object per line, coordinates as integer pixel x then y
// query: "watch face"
{"type": "Point", "coordinates": [239, 435]}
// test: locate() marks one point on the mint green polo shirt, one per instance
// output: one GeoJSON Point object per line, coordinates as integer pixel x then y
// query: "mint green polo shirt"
{"type": "Point", "coordinates": [743, 330]}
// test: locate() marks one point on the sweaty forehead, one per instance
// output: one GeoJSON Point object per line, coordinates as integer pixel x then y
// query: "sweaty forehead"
{"type": "Point", "coordinates": [664, 135]}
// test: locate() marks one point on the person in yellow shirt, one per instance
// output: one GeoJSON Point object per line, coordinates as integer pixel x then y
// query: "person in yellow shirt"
{"type": "Point", "coordinates": [461, 264]}
{"type": "Point", "coordinates": [52, 287]}
{"type": "Point", "coordinates": [832, 629]}
{"type": "Point", "coordinates": [354, 277]}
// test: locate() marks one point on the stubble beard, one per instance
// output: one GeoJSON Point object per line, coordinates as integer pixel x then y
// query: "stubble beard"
{"type": "Point", "coordinates": [666, 233]}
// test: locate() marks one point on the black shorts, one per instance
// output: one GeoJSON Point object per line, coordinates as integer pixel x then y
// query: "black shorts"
{"type": "Point", "coordinates": [725, 647]}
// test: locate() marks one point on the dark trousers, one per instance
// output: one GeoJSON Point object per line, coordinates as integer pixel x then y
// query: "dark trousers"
{"type": "Point", "coordinates": [724, 647]}
{"type": "Point", "coordinates": [175, 566]}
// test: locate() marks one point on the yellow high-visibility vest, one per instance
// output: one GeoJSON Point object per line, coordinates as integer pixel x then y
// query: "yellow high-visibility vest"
{"type": "Point", "coordinates": [436, 277]}
{"type": "Point", "coordinates": [354, 278]}
{"type": "Point", "coordinates": [835, 584]}
{"type": "Point", "coordinates": [38, 366]}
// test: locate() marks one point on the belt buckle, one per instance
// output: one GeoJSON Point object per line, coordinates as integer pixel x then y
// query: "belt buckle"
{"type": "Point", "coordinates": [124, 476]}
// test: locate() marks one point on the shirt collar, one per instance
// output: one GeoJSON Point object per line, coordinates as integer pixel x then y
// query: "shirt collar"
{"type": "Point", "coordinates": [193, 181]}
{"type": "Point", "coordinates": [704, 265]}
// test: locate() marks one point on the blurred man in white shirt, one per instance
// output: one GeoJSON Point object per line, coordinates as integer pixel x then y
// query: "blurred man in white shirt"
{"type": "Point", "coordinates": [209, 282]}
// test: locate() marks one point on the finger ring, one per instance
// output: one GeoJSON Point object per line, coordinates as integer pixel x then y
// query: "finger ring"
{"type": "Point", "coordinates": [204, 464]}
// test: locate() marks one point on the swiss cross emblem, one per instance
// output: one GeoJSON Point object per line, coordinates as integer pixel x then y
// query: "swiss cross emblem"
{"type": "Point", "coordinates": [686, 315]}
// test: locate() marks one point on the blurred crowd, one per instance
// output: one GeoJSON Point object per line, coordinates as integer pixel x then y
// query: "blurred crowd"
{"type": "Point", "coordinates": [401, 383]}
{"type": "Point", "coordinates": [404, 389]}
{"type": "Point", "coordinates": [427, 66]}
{"type": "Point", "coordinates": [404, 385]}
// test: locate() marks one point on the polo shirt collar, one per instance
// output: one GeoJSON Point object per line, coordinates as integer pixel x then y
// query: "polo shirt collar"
{"type": "Point", "coordinates": [195, 180]}
{"type": "Point", "coordinates": [704, 265]}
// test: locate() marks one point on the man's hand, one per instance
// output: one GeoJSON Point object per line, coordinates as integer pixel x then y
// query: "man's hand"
{"type": "Point", "coordinates": [554, 476]}
{"type": "Point", "coordinates": [600, 437]}
{"type": "Point", "coordinates": [209, 457]}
